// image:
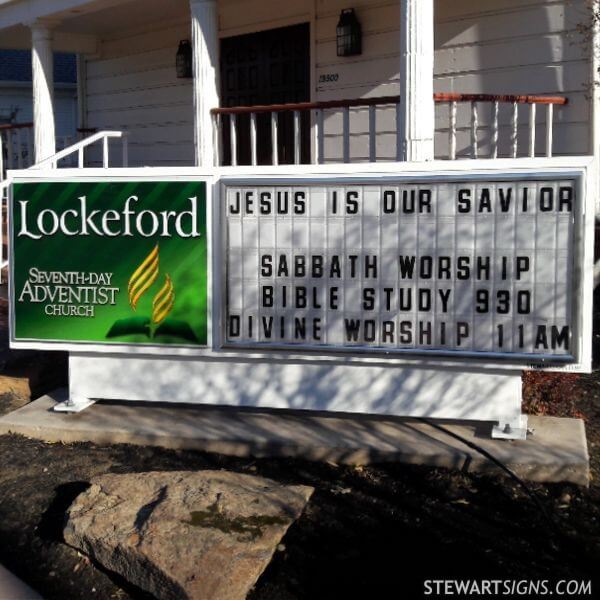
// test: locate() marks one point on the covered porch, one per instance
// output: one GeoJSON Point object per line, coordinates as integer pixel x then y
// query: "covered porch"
{"type": "Point", "coordinates": [434, 79]}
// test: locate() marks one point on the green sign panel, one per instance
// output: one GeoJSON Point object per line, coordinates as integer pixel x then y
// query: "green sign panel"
{"type": "Point", "coordinates": [105, 262]}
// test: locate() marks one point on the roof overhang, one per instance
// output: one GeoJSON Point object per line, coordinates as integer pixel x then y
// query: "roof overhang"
{"type": "Point", "coordinates": [18, 37]}
{"type": "Point", "coordinates": [78, 24]}
{"type": "Point", "coordinates": [25, 12]}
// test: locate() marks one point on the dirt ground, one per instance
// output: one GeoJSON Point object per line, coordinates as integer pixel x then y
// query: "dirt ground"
{"type": "Point", "coordinates": [372, 532]}
{"type": "Point", "coordinates": [368, 532]}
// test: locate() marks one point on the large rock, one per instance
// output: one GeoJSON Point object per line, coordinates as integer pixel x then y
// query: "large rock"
{"type": "Point", "coordinates": [202, 535]}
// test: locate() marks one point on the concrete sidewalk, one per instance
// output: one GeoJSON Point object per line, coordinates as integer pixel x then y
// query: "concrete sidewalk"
{"type": "Point", "coordinates": [555, 451]}
{"type": "Point", "coordinates": [12, 588]}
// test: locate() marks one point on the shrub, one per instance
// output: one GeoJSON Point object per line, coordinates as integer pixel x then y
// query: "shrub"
{"type": "Point", "coordinates": [552, 394]}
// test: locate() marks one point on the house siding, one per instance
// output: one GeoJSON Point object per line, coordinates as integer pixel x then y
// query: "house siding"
{"type": "Point", "coordinates": [491, 46]}
{"type": "Point", "coordinates": [131, 85]}
{"type": "Point", "coordinates": [516, 47]}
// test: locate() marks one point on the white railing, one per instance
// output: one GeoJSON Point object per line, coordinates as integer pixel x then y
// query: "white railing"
{"type": "Point", "coordinates": [78, 150]}
{"type": "Point", "coordinates": [17, 151]}
{"type": "Point", "coordinates": [70, 156]}
{"type": "Point", "coordinates": [16, 147]}
{"type": "Point", "coordinates": [296, 133]}
{"type": "Point", "coordinates": [484, 133]}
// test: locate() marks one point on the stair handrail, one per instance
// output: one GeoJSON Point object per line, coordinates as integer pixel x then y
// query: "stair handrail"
{"type": "Point", "coordinates": [79, 147]}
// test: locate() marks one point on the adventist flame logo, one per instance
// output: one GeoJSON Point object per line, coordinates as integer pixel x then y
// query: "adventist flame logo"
{"type": "Point", "coordinates": [163, 302]}
{"type": "Point", "coordinates": [143, 277]}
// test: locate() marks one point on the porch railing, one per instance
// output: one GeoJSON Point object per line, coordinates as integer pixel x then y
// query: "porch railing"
{"type": "Point", "coordinates": [494, 102]}
{"type": "Point", "coordinates": [16, 152]}
{"type": "Point", "coordinates": [16, 146]}
{"type": "Point", "coordinates": [488, 137]}
{"type": "Point", "coordinates": [77, 150]}
{"type": "Point", "coordinates": [70, 156]}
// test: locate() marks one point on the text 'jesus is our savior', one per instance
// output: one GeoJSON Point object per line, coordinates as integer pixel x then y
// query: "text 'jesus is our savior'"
{"type": "Point", "coordinates": [521, 198]}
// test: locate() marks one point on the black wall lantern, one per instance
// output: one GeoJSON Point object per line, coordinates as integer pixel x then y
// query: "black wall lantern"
{"type": "Point", "coordinates": [183, 60]}
{"type": "Point", "coordinates": [349, 34]}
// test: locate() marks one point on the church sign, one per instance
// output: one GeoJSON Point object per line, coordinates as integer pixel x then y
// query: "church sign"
{"type": "Point", "coordinates": [490, 267]}
{"type": "Point", "coordinates": [110, 262]}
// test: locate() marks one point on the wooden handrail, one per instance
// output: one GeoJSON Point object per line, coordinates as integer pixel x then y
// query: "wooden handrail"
{"type": "Point", "coordinates": [269, 108]}
{"type": "Point", "coordinates": [15, 126]}
{"type": "Point", "coordinates": [510, 98]}
{"type": "Point", "coordinates": [438, 97]}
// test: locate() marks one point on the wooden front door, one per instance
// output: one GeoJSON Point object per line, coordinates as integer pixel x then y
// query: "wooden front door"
{"type": "Point", "coordinates": [269, 67]}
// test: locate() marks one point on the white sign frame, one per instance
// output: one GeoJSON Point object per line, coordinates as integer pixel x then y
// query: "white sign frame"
{"type": "Point", "coordinates": [515, 358]}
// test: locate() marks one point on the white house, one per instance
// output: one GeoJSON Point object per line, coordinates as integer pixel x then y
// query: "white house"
{"type": "Point", "coordinates": [219, 83]}
{"type": "Point", "coordinates": [265, 52]}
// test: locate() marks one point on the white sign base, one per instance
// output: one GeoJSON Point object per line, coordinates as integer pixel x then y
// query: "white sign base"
{"type": "Point", "coordinates": [441, 393]}
{"type": "Point", "coordinates": [74, 405]}
{"type": "Point", "coordinates": [511, 432]}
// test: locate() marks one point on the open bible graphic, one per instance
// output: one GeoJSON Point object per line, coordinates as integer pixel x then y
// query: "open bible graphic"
{"type": "Point", "coordinates": [157, 324]}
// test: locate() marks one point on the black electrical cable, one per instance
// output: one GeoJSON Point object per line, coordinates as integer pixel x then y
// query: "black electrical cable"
{"type": "Point", "coordinates": [498, 463]}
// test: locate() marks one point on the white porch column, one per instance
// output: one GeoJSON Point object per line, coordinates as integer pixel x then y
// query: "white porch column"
{"type": "Point", "coordinates": [42, 63]}
{"type": "Point", "coordinates": [205, 48]}
{"type": "Point", "coordinates": [416, 119]}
